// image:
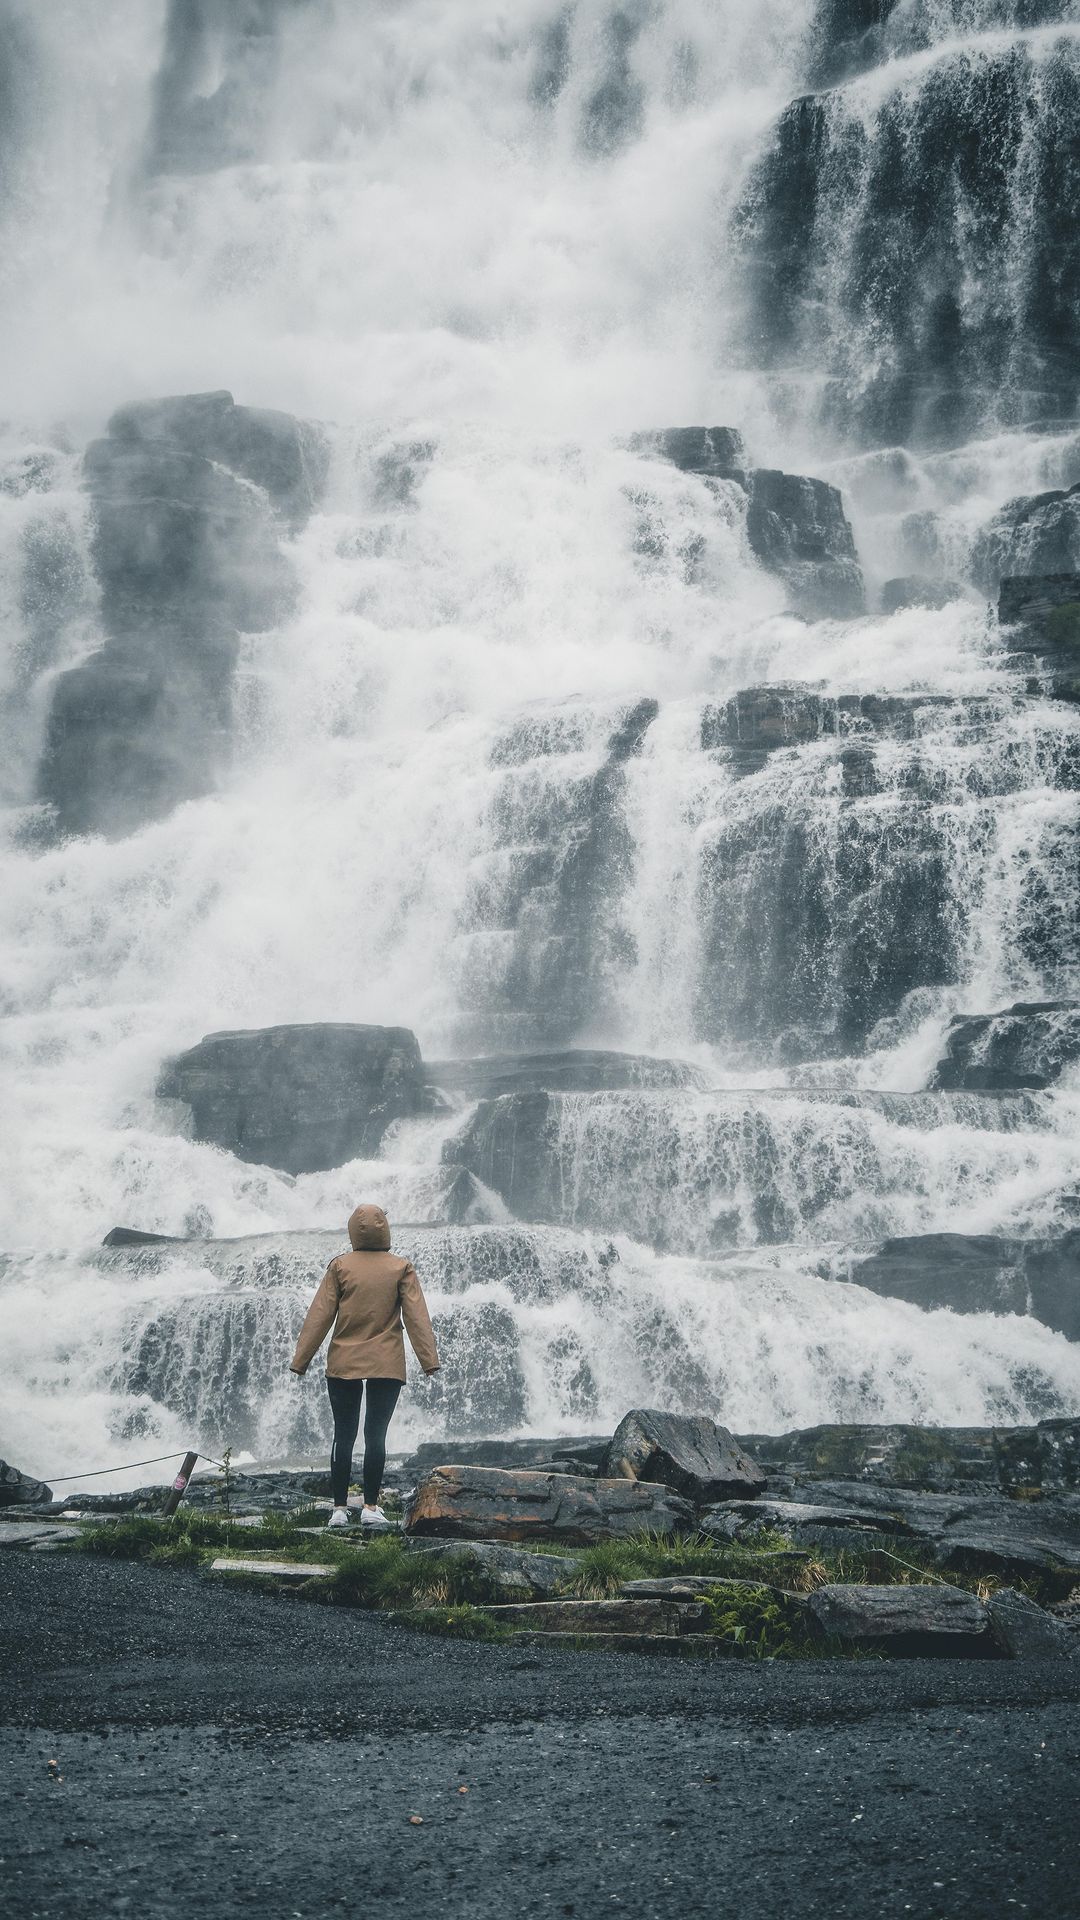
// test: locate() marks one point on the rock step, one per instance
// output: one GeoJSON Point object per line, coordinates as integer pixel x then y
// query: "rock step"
{"type": "Point", "coordinates": [275, 1569]}
{"type": "Point", "coordinates": [649, 1616]}
{"type": "Point", "coordinates": [694, 1645]}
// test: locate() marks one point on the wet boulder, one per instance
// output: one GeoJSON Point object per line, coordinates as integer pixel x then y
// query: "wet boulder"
{"type": "Point", "coordinates": [512, 1571]}
{"type": "Point", "coordinates": [916, 590]}
{"type": "Point", "coordinates": [980, 1273]}
{"type": "Point", "coordinates": [302, 1098]}
{"type": "Point", "coordinates": [1026, 1045]}
{"type": "Point", "coordinates": [716, 452]}
{"type": "Point", "coordinates": [1031, 535]}
{"type": "Point", "coordinates": [797, 528]}
{"type": "Point", "coordinates": [688, 1452]}
{"type": "Point", "coordinates": [795, 525]}
{"type": "Point", "coordinates": [1022, 1630]}
{"type": "Point", "coordinates": [908, 1620]}
{"type": "Point", "coordinates": [19, 1489]}
{"type": "Point", "coordinates": [482, 1503]}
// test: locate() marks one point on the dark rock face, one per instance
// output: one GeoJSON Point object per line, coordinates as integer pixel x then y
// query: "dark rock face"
{"type": "Point", "coordinates": [965, 178]}
{"type": "Point", "coordinates": [1047, 606]}
{"type": "Point", "coordinates": [198, 129]}
{"type": "Point", "coordinates": [1042, 612]}
{"type": "Point", "coordinates": [809, 935]}
{"type": "Point", "coordinates": [798, 529]}
{"type": "Point", "coordinates": [1027, 1045]}
{"type": "Point", "coordinates": [981, 1273]}
{"type": "Point", "coordinates": [299, 1098]}
{"type": "Point", "coordinates": [1043, 1459]}
{"type": "Point", "coordinates": [915, 590]}
{"type": "Point", "coordinates": [614, 111]}
{"type": "Point", "coordinates": [480, 1503]}
{"type": "Point", "coordinates": [187, 556]}
{"type": "Point", "coordinates": [1024, 1631]}
{"type": "Point", "coordinates": [759, 719]}
{"type": "Point", "coordinates": [508, 1145]}
{"type": "Point", "coordinates": [20, 1489]}
{"type": "Point", "coordinates": [1033, 535]}
{"type": "Point", "coordinates": [481, 1387]}
{"type": "Point", "coordinates": [968, 1532]}
{"type": "Point", "coordinates": [795, 526]}
{"type": "Point", "coordinates": [715, 451]}
{"type": "Point", "coordinates": [909, 1620]}
{"type": "Point", "coordinates": [561, 856]}
{"type": "Point", "coordinates": [686, 1451]}
{"type": "Point", "coordinates": [576, 1070]}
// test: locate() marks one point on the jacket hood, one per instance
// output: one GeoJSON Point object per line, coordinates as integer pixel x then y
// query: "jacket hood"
{"type": "Point", "coordinates": [369, 1230]}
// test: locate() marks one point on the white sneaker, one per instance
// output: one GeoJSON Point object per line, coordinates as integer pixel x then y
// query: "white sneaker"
{"type": "Point", "coordinates": [339, 1518]}
{"type": "Point", "coordinates": [373, 1517]}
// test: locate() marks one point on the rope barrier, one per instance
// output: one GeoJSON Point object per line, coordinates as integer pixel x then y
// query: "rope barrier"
{"type": "Point", "coordinates": [128, 1465]}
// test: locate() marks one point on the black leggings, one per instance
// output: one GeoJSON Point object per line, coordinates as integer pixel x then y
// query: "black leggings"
{"type": "Point", "coordinates": [345, 1399]}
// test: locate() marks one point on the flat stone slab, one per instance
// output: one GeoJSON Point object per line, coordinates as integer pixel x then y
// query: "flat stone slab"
{"type": "Point", "coordinates": [640, 1616]}
{"type": "Point", "coordinates": [33, 1533]}
{"type": "Point", "coordinates": [275, 1569]}
{"type": "Point", "coordinates": [927, 1618]}
{"type": "Point", "coordinates": [684, 1586]}
{"type": "Point", "coordinates": [694, 1645]}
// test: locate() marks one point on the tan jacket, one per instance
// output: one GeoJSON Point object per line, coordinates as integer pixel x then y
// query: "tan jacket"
{"type": "Point", "coordinates": [365, 1295]}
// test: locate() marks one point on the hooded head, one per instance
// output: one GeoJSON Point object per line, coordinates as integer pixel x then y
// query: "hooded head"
{"type": "Point", "coordinates": [369, 1230]}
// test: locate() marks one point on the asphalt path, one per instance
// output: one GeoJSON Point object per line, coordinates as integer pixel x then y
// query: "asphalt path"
{"type": "Point", "coordinates": [173, 1747]}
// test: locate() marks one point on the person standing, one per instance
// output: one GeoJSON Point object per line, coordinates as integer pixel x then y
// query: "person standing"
{"type": "Point", "coordinates": [365, 1296]}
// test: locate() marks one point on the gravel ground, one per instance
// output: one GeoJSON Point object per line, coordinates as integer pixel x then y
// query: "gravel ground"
{"type": "Point", "coordinates": [173, 1747]}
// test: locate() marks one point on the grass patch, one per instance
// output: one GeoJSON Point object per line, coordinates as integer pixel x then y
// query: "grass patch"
{"type": "Point", "coordinates": [458, 1623]}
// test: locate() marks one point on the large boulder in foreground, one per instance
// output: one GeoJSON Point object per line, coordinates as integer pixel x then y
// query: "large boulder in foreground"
{"type": "Point", "coordinates": [21, 1489]}
{"type": "Point", "coordinates": [1026, 1045]}
{"type": "Point", "coordinates": [302, 1098]}
{"type": "Point", "coordinates": [688, 1452]}
{"type": "Point", "coordinates": [916, 1619]}
{"type": "Point", "coordinates": [482, 1503]}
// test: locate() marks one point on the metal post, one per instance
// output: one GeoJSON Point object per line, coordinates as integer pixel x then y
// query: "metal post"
{"type": "Point", "coordinates": [179, 1485]}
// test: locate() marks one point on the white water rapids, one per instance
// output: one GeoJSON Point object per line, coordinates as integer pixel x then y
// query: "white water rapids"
{"type": "Point", "coordinates": [501, 237]}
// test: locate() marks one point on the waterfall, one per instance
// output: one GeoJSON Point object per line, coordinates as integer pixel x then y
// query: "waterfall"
{"type": "Point", "coordinates": [474, 700]}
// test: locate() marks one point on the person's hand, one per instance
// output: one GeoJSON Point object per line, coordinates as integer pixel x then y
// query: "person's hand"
{"type": "Point", "coordinates": [296, 1372]}
{"type": "Point", "coordinates": [429, 1371]}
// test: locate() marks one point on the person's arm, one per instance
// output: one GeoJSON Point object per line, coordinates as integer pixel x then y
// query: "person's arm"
{"type": "Point", "coordinates": [417, 1320]}
{"type": "Point", "coordinates": [320, 1318]}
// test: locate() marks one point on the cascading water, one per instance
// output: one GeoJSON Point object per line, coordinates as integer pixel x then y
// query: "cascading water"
{"type": "Point", "coordinates": [461, 721]}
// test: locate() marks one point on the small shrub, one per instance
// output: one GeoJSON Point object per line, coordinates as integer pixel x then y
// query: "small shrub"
{"type": "Point", "coordinates": [754, 1622]}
